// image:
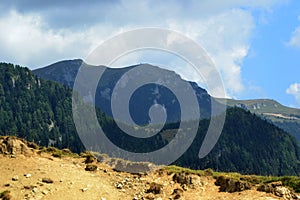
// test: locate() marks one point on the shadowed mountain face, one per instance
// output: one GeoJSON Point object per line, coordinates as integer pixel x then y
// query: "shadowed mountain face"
{"type": "Point", "coordinates": [141, 100]}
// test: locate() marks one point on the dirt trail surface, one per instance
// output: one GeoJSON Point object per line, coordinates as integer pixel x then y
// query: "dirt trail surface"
{"type": "Point", "coordinates": [32, 174]}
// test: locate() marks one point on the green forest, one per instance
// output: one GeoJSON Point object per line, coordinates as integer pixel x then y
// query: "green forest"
{"type": "Point", "coordinates": [35, 109]}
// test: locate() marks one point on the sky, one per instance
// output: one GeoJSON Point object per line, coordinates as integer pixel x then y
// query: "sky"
{"type": "Point", "coordinates": [255, 45]}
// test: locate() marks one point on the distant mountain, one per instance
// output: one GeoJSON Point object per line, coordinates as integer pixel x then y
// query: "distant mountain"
{"type": "Point", "coordinates": [65, 72]}
{"type": "Point", "coordinates": [284, 117]}
{"type": "Point", "coordinates": [248, 144]}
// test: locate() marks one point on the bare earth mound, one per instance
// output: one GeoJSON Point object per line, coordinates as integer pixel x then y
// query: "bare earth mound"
{"type": "Point", "coordinates": [30, 172]}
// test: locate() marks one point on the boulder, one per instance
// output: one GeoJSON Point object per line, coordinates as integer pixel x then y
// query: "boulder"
{"type": "Point", "coordinates": [228, 184]}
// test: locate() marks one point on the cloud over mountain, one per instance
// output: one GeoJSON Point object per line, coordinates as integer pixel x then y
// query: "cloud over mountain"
{"type": "Point", "coordinates": [40, 33]}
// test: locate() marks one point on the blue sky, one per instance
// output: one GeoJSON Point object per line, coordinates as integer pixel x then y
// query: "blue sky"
{"type": "Point", "coordinates": [273, 64]}
{"type": "Point", "coordinates": [254, 44]}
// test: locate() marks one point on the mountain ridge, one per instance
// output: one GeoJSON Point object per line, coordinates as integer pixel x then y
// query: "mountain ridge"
{"type": "Point", "coordinates": [65, 72]}
{"type": "Point", "coordinates": [282, 116]}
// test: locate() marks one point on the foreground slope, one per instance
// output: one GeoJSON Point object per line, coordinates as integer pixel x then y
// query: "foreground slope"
{"type": "Point", "coordinates": [32, 172]}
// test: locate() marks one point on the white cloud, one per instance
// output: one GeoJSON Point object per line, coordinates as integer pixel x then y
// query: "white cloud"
{"type": "Point", "coordinates": [226, 37]}
{"type": "Point", "coordinates": [27, 40]}
{"type": "Point", "coordinates": [223, 28]}
{"type": "Point", "coordinates": [295, 39]}
{"type": "Point", "coordinates": [294, 89]}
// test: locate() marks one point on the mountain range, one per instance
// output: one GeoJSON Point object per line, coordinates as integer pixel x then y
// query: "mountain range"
{"type": "Point", "coordinates": [41, 111]}
{"type": "Point", "coordinates": [65, 72]}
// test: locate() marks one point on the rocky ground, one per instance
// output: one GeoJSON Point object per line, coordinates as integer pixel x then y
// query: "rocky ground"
{"type": "Point", "coordinates": [30, 172]}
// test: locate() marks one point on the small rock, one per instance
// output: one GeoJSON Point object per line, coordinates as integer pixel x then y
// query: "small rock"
{"type": "Point", "coordinates": [15, 178]}
{"type": "Point", "coordinates": [35, 190]}
{"type": "Point", "coordinates": [44, 192]}
{"type": "Point", "coordinates": [40, 183]}
{"type": "Point", "coordinates": [119, 186]}
{"type": "Point", "coordinates": [91, 167]}
{"type": "Point", "coordinates": [150, 197]}
{"type": "Point", "coordinates": [47, 180]}
{"type": "Point", "coordinates": [6, 185]}
{"type": "Point", "coordinates": [27, 175]}
{"type": "Point", "coordinates": [283, 192]}
{"type": "Point", "coordinates": [127, 179]}
{"type": "Point", "coordinates": [90, 159]}
{"type": "Point", "coordinates": [182, 178]}
{"type": "Point", "coordinates": [155, 188]}
{"type": "Point", "coordinates": [276, 184]}
{"type": "Point", "coordinates": [177, 193]}
{"type": "Point", "coordinates": [231, 185]}
{"type": "Point", "coordinates": [84, 189]}
{"type": "Point", "coordinates": [102, 198]}
{"type": "Point", "coordinates": [29, 187]}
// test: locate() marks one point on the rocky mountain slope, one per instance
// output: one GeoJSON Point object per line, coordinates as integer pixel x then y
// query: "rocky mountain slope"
{"type": "Point", "coordinates": [65, 72]}
{"type": "Point", "coordinates": [32, 172]}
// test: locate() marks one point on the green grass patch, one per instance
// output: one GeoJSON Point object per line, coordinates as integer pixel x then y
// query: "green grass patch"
{"type": "Point", "coordinates": [58, 153]}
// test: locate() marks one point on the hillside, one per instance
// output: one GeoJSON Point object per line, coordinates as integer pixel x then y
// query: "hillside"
{"type": "Point", "coordinates": [34, 108]}
{"type": "Point", "coordinates": [284, 117]}
{"type": "Point", "coordinates": [32, 172]}
{"type": "Point", "coordinates": [248, 145]}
